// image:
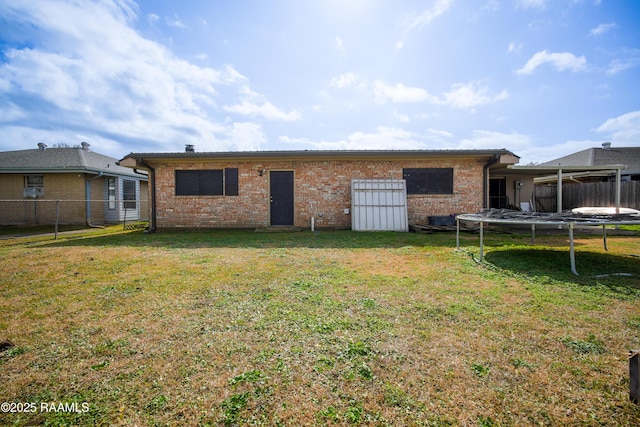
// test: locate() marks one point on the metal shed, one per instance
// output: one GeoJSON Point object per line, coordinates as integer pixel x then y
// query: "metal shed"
{"type": "Point", "coordinates": [379, 205]}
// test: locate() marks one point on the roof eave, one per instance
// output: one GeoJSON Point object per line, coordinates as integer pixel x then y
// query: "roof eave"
{"type": "Point", "coordinates": [66, 170]}
{"type": "Point", "coordinates": [314, 155]}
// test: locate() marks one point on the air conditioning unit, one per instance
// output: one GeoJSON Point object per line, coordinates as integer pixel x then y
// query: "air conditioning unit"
{"type": "Point", "coordinates": [33, 192]}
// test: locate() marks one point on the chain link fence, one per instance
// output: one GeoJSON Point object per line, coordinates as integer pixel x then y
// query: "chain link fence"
{"type": "Point", "coordinates": [37, 216]}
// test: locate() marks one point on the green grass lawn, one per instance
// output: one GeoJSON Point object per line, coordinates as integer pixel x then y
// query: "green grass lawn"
{"type": "Point", "coordinates": [330, 328]}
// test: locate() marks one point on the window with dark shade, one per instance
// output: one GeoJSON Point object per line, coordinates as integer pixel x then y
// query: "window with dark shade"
{"type": "Point", "coordinates": [207, 182]}
{"type": "Point", "coordinates": [210, 182]}
{"type": "Point", "coordinates": [428, 180]}
{"type": "Point", "coordinates": [231, 182]}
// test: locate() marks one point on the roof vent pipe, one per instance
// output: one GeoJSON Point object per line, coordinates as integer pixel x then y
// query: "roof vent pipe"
{"type": "Point", "coordinates": [189, 148]}
{"type": "Point", "coordinates": [606, 146]}
{"type": "Point", "coordinates": [42, 146]}
{"type": "Point", "coordinates": [85, 145]}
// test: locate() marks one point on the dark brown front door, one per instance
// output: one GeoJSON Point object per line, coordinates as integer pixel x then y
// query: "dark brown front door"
{"type": "Point", "coordinates": [281, 197]}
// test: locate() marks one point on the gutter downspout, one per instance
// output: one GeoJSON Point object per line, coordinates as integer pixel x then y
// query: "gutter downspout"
{"type": "Point", "coordinates": [152, 178]}
{"type": "Point", "coordinates": [618, 178]}
{"type": "Point", "coordinates": [485, 180]}
{"type": "Point", "coordinates": [87, 192]}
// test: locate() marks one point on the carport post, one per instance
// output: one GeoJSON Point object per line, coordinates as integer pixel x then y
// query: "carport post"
{"type": "Point", "coordinates": [559, 192]}
{"type": "Point", "coordinates": [634, 376]}
{"type": "Point", "coordinates": [618, 190]}
{"type": "Point", "coordinates": [457, 233]}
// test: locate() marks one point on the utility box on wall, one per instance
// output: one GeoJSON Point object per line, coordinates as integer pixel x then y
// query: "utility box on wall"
{"type": "Point", "coordinates": [379, 205]}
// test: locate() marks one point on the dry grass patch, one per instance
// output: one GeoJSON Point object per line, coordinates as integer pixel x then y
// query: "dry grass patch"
{"type": "Point", "coordinates": [340, 328]}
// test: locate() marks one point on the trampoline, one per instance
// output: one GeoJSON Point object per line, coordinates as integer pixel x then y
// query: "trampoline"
{"type": "Point", "coordinates": [571, 219]}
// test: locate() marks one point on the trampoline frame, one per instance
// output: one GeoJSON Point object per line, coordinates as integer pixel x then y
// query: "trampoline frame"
{"type": "Point", "coordinates": [541, 219]}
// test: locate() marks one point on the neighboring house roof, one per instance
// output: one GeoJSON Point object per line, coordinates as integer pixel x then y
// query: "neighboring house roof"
{"type": "Point", "coordinates": [62, 160]}
{"type": "Point", "coordinates": [502, 155]}
{"type": "Point", "coordinates": [607, 155]}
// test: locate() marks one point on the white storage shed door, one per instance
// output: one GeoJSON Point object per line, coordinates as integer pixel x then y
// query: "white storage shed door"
{"type": "Point", "coordinates": [379, 205]}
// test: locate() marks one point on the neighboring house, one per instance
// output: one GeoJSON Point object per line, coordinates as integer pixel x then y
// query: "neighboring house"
{"type": "Point", "coordinates": [606, 176]}
{"type": "Point", "coordinates": [289, 188]}
{"type": "Point", "coordinates": [605, 156]}
{"type": "Point", "coordinates": [91, 187]}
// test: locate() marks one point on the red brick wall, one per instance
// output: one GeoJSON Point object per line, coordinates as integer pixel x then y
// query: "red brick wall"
{"type": "Point", "coordinates": [321, 189]}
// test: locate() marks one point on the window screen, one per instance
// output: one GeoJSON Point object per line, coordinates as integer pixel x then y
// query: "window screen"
{"type": "Point", "coordinates": [428, 180]}
{"type": "Point", "coordinates": [111, 192]}
{"type": "Point", "coordinates": [129, 194]}
{"type": "Point", "coordinates": [199, 183]}
{"type": "Point", "coordinates": [34, 181]}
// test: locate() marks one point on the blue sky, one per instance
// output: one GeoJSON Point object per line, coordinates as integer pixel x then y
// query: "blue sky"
{"type": "Point", "coordinates": [541, 78]}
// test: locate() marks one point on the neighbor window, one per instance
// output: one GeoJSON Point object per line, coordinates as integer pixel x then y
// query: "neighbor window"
{"type": "Point", "coordinates": [213, 182]}
{"type": "Point", "coordinates": [111, 192]}
{"type": "Point", "coordinates": [33, 186]}
{"type": "Point", "coordinates": [33, 181]}
{"type": "Point", "coordinates": [428, 180]}
{"type": "Point", "coordinates": [129, 193]}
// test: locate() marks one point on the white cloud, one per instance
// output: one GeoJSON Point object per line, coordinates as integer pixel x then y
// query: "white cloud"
{"type": "Point", "coordinates": [26, 137]}
{"type": "Point", "coordinates": [618, 65]}
{"type": "Point", "coordinates": [440, 7]}
{"type": "Point", "coordinates": [246, 136]}
{"type": "Point", "coordinates": [492, 5]}
{"type": "Point", "coordinates": [513, 47]}
{"type": "Point", "coordinates": [439, 133]}
{"type": "Point", "coordinates": [152, 18]}
{"type": "Point", "coordinates": [560, 61]}
{"type": "Point", "coordinates": [11, 112]}
{"type": "Point", "coordinates": [401, 117]}
{"type": "Point", "coordinates": [255, 104]}
{"type": "Point", "coordinates": [540, 25]}
{"type": "Point", "coordinates": [339, 44]}
{"type": "Point", "coordinates": [602, 28]}
{"type": "Point", "coordinates": [399, 93]}
{"type": "Point", "coordinates": [532, 4]}
{"type": "Point", "coordinates": [472, 95]}
{"type": "Point", "coordinates": [461, 95]}
{"type": "Point", "coordinates": [264, 109]}
{"type": "Point", "coordinates": [391, 138]}
{"type": "Point", "coordinates": [485, 139]}
{"type": "Point", "coordinates": [384, 138]}
{"type": "Point", "coordinates": [345, 80]}
{"type": "Point", "coordinates": [439, 139]}
{"type": "Point", "coordinates": [623, 130]}
{"type": "Point", "coordinates": [97, 75]}
{"type": "Point", "coordinates": [537, 155]}
{"type": "Point", "coordinates": [175, 22]}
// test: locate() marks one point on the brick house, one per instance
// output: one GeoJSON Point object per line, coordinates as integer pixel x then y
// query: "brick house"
{"type": "Point", "coordinates": [90, 187]}
{"type": "Point", "coordinates": [288, 188]}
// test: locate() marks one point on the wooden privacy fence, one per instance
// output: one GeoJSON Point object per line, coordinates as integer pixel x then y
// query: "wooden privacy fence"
{"type": "Point", "coordinates": [587, 194]}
